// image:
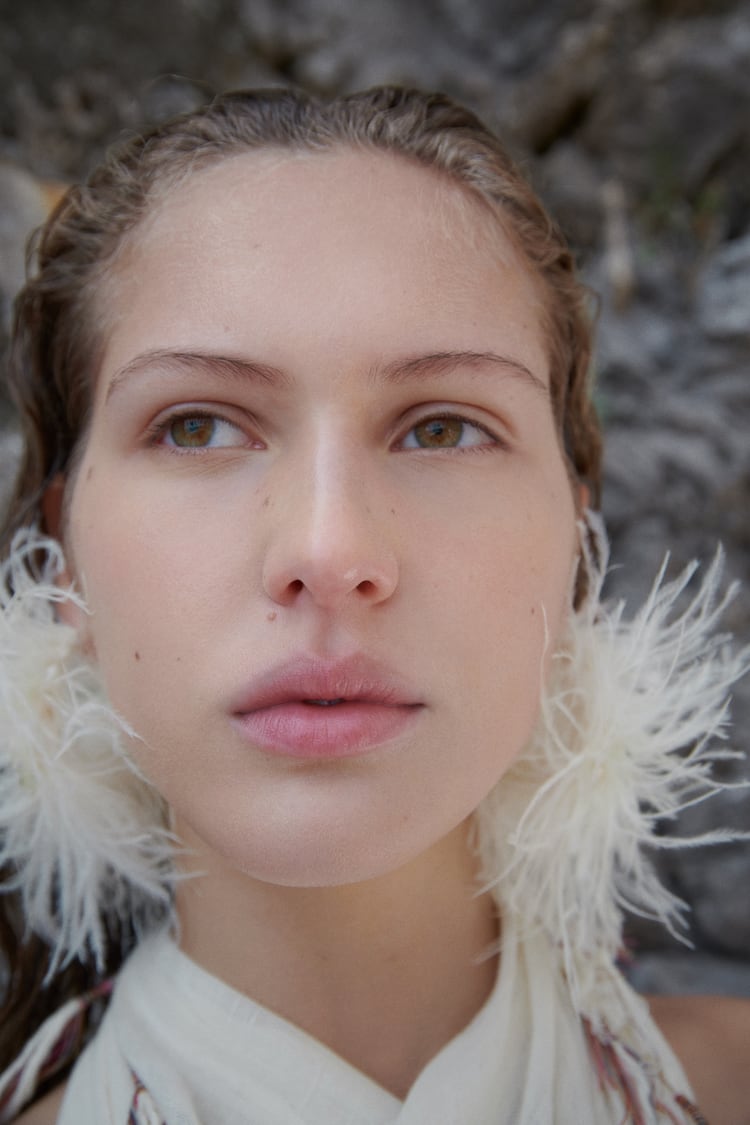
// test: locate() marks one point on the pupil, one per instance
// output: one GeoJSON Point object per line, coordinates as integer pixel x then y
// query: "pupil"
{"type": "Point", "coordinates": [192, 431]}
{"type": "Point", "coordinates": [439, 432]}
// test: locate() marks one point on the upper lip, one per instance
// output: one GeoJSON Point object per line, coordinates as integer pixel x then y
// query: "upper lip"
{"type": "Point", "coordinates": [356, 679]}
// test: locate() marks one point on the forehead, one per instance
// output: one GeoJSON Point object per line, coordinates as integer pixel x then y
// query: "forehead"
{"type": "Point", "coordinates": [347, 241]}
{"type": "Point", "coordinates": [339, 184]}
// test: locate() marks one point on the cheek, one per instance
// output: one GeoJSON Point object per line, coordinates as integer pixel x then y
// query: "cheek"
{"type": "Point", "coordinates": [527, 597]}
{"type": "Point", "coordinates": [138, 581]}
{"type": "Point", "coordinates": [508, 577]}
{"type": "Point", "coordinates": [134, 548]}
{"type": "Point", "coordinates": [504, 598]}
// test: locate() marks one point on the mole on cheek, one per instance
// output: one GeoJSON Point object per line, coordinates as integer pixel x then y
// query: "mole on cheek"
{"type": "Point", "coordinates": [90, 472]}
{"type": "Point", "coordinates": [137, 655]}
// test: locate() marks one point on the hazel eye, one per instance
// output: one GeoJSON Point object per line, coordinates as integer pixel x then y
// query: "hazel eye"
{"type": "Point", "coordinates": [202, 431]}
{"type": "Point", "coordinates": [446, 432]}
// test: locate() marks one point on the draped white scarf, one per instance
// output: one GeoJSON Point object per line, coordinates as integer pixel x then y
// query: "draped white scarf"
{"type": "Point", "coordinates": [208, 1055]}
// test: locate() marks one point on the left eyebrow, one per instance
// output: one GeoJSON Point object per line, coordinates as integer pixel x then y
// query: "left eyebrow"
{"type": "Point", "coordinates": [446, 363]}
{"type": "Point", "coordinates": [227, 367]}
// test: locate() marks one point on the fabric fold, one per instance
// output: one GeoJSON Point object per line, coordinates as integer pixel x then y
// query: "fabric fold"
{"type": "Point", "coordinates": [208, 1055]}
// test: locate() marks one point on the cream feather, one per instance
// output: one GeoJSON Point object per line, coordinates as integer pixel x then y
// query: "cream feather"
{"type": "Point", "coordinates": [82, 832]}
{"type": "Point", "coordinates": [632, 724]}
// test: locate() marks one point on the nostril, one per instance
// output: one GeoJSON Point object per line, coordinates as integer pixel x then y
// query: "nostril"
{"type": "Point", "coordinates": [329, 579]}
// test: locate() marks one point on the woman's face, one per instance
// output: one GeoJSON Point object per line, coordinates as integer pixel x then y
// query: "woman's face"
{"type": "Point", "coordinates": [322, 519]}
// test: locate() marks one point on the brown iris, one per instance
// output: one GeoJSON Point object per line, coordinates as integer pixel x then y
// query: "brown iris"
{"type": "Point", "coordinates": [439, 433]}
{"type": "Point", "coordinates": [192, 431]}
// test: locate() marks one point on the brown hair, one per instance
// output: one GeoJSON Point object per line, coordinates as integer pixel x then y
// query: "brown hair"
{"type": "Point", "coordinates": [55, 344]}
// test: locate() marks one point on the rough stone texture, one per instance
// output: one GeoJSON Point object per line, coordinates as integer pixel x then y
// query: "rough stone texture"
{"type": "Point", "coordinates": [633, 117]}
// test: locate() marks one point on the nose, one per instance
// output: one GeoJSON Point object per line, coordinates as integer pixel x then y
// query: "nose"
{"type": "Point", "coordinates": [327, 541]}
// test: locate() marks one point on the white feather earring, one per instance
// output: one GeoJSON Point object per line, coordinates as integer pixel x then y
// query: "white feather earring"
{"type": "Point", "coordinates": [628, 732]}
{"type": "Point", "coordinates": [82, 835]}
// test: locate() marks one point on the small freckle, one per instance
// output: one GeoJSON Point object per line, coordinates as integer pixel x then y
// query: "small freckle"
{"type": "Point", "coordinates": [393, 511]}
{"type": "Point", "coordinates": [533, 611]}
{"type": "Point", "coordinates": [90, 473]}
{"type": "Point", "coordinates": [137, 655]}
{"type": "Point", "coordinates": [267, 501]}
{"type": "Point", "coordinates": [271, 615]}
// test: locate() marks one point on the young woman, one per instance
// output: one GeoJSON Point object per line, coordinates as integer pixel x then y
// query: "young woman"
{"type": "Point", "coordinates": [310, 705]}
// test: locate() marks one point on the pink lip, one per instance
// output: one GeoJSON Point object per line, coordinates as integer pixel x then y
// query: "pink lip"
{"type": "Point", "coordinates": [276, 713]}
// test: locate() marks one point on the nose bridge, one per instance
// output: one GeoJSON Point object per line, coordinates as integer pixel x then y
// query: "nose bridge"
{"type": "Point", "coordinates": [338, 504]}
{"type": "Point", "coordinates": [328, 540]}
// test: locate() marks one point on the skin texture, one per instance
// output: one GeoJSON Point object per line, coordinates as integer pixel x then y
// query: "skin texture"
{"type": "Point", "coordinates": [711, 1036]}
{"type": "Point", "coordinates": [316, 529]}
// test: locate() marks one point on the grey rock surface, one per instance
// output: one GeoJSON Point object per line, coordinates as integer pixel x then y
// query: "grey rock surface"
{"type": "Point", "coordinates": [633, 117]}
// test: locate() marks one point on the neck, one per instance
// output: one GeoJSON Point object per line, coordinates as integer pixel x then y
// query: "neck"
{"type": "Point", "coordinates": [384, 972]}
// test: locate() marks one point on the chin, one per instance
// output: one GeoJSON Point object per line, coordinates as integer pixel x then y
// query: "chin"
{"type": "Point", "coordinates": [328, 859]}
{"type": "Point", "coordinates": [333, 865]}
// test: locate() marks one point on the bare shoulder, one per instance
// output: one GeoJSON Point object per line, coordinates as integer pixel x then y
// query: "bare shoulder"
{"type": "Point", "coordinates": [45, 1111]}
{"type": "Point", "coordinates": [711, 1037]}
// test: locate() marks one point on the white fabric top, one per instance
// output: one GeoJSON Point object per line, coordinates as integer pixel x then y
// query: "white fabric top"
{"type": "Point", "coordinates": [211, 1056]}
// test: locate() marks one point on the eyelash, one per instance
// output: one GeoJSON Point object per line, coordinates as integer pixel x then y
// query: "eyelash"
{"type": "Point", "coordinates": [491, 440]}
{"type": "Point", "coordinates": [159, 430]}
{"type": "Point", "coordinates": [156, 433]}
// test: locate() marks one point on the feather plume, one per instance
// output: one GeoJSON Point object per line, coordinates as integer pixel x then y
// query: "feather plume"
{"type": "Point", "coordinates": [82, 834]}
{"type": "Point", "coordinates": [633, 721]}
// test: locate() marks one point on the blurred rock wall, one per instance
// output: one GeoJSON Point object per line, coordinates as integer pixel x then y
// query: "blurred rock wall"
{"type": "Point", "coordinates": [633, 118]}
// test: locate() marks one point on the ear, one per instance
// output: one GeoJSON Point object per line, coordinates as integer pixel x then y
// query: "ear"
{"type": "Point", "coordinates": [52, 508]}
{"type": "Point", "coordinates": [53, 515]}
{"type": "Point", "coordinates": [582, 498]}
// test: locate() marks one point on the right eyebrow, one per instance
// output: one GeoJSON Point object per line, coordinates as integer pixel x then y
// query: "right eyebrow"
{"type": "Point", "coordinates": [231, 368]}
{"type": "Point", "coordinates": [438, 364]}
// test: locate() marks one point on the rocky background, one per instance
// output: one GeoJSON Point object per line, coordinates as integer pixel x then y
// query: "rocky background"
{"type": "Point", "coordinates": [633, 118]}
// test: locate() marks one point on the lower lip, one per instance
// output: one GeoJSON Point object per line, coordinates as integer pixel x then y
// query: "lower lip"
{"type": "Point", "coordinates": [303, 730]}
